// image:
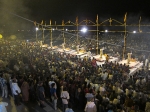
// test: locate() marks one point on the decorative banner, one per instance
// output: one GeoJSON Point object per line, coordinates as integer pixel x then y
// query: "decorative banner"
{"type": "Point", "coordinates": [35, 23]}
{"type": "Point", "coordinates": [97, 19]}
{"type": "Point", "coordinates": [125, 17]}
{"type": "Point", "coordinates": [63, 23]}
{"type": "Point", "coordinates": [42, 22]}
{"type": "Point", "coordinates": [77, 20]}
{"type": "Point", "coordinates": [50, 22]}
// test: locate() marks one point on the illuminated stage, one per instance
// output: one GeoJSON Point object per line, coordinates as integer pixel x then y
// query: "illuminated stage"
{"type": "Point", "coordinates": [72, 52]}
{"type": "Point", "coordinates": [134, 66]}
{"type": "Point", "coordinates": [102, 60]}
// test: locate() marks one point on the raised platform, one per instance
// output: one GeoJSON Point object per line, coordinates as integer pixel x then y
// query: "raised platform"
{"type": "Point", "coordinates": [101, 61]}
{"type": "Point", "coordinates": [134, 66]}
{"type": "Point", "coordinates": [72, 52]}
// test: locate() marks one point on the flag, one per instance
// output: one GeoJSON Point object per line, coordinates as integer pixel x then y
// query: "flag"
{"type": "Point", "coordinates": [76, 19]}
{"type": "Point", "coordinates": [140, 19]}
{"type": "Point", "coordinates": [45, 23]}
{"type": "Point", "coordinates": [125, 17]}
{"type": "Point", "coordinates": [63, 23]}
{"type": "Point", "coordinates": [42, 22]}
{"type": "Point", "coordinates": [97, 19]}
{"type": "Point", "coordinates": [35, 23]}
{"type": "Point", "coordinates": [50, 22]}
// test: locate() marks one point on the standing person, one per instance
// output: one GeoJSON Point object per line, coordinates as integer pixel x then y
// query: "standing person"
{"type": "Point", "coordinates": [4, 87]}
{"type": "Point", "coordinates": [3, 106]}
{"type": "Point", "coordinates": [10, 83]}
{"type": "Point", "coordinates": [90, 106]}
{"type": "Point", "coordinates": [25, 90]}
{"type": "Point", "coordinates": [41, 94]}
{"type": "Point", "coordinates": [128, 103]}
{"type": "Point", "coordinates": [16, 92]}
{"type": "Point", "coordinates": [65, 97]}
{"type": "Point", "coordinates": [53, 95]}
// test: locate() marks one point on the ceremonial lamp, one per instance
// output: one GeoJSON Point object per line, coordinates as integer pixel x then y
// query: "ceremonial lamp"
{"type": "Point", "coordinates": [89, 54]}
{"type": "Point", "coordinates": [77, 49]}
{"type": "Point", "coordinates": [101, 53]}
{"type": "Point", "coordinates": [129, 58]}
{"type": "Point", "coordinates": [63, 46]}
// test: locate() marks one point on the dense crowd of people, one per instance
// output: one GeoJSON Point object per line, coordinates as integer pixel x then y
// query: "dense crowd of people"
{"type": "Point", "coordinates": [38, 73]}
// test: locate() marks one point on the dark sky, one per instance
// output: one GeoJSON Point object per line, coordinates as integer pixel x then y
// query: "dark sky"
{"type": "Point", "coordinates": [38, 10]}
{"type": "Point", "coordinates": [66, 9]}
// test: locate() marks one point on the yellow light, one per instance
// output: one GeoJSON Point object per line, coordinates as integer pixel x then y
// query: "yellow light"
{"type": "Point", "coordinates": [1, 36]}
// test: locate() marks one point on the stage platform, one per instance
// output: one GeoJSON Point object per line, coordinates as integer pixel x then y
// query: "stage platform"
{"type": "Point", "coordinates": [53, 48]}
{"type": "Point", "coordinates": [72, 52]}
{"type": "Point", "coordinates": [99, 61]}
{"type": "Point", "coordinates": [103, 59]}
{"type": "Point", "coordinates": [134, 66]}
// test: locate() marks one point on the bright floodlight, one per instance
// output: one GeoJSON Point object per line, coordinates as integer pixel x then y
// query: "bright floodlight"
{"type": "Point", "coordinates": [53, 29]}
{"type": "Point", "coordinates": [134, 31]}
{"type": "Point", "coordinates": [106, 30]}
{"type": "Point", "coordinates": [66, 29]}
{"type": "Point", "coordinates": [37, 28]}
{"type": "Point", "coordinates": [84, 30]}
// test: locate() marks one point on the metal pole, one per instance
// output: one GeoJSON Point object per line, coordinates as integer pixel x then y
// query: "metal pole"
{"type": "Point", "coordinates": [140, 25]}
{"type": "Point", "coordinates": [43, 34]}
{"type": "Point", "coordinates": [97, 35]}
{"type": "Point", "coordinates": [51, 38]}
{"type": "Point", "coordinates": [36, 35]}
{"type": "Point", "coordinates": [77, 35]}
{"type": "Point", "coordinates": [77, 30]}
{"type": "Point", "coordinates": [124, 47]}
{"type": "Point", "coordinates": [63, 35]}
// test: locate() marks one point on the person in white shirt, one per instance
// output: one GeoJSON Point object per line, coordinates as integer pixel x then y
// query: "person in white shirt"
{"type": "Point", "coordinates": [50, 82]}
{"type": "Point", "coordinates": [87, 81]}
{"type": "Point", "coordinates": [69, 110]}
{"type": "Point", "coordinates": [16, 91]}
{"type": "Point", "coordinates": [137, 83]}
{"type": "Point", "coordinates": [3, 106]}
{"type": "Point", "coordinates": [10, 83]}
{"type": "Point", "coordinates": [4, 87]}
{"type": "Point", "coordinates": [90, 106]}
{"type": "Point", "coordinates": [104, 75]}
{"type": "Point", "coordinates": [65, 97]}
{"type": "Point", "coordinates": [102, 90]}
{"type": "Point", "coordinates": [143, 81]}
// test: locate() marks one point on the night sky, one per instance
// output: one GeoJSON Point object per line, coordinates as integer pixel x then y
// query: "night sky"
{"type": "Point", "coordinates": [69, 9]}
{"type": "Point", "coordinates": [58, 10]}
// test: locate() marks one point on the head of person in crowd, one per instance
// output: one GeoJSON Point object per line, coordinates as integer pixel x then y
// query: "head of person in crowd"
{"type": "Point", "coordinates": [64, 88]}
{"type": "Point", "coordinates": [40, 83]}
{"type": "Point", "coordinates": [14, 81]}
{"type": "Point", "coordinates": [53, 85]}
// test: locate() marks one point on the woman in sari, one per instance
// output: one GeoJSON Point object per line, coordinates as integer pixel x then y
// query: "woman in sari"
{"type": "Point", "coordinates": [25, 90]}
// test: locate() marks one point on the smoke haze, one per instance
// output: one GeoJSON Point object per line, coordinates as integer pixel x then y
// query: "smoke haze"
{"type": "Point", "coordinates": [8, 10]}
